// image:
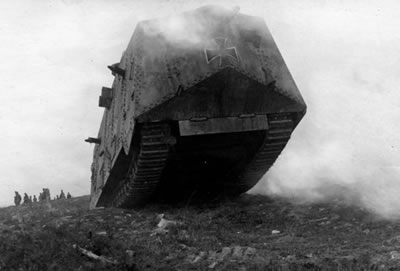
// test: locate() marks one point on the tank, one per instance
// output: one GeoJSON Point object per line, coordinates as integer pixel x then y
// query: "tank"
{"type": "Point", "coordinates": [202, 105]}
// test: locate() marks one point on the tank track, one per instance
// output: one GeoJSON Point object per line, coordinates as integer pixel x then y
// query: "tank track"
{"type": "Point", "coordinates": [280, 128]}
{"type": "Point", "coordinates": [146, 166]}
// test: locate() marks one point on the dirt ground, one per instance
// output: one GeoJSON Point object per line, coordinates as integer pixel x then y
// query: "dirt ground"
{"type": "Point", "coordinates": [249, 233]}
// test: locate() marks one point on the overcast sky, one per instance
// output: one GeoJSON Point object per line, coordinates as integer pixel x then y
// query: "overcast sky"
{"type": "Point", "coordinates": [343, 55]}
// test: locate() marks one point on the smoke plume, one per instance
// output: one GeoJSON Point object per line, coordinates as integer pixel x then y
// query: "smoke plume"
{"type": "Point", "coordinates": [348, 146]}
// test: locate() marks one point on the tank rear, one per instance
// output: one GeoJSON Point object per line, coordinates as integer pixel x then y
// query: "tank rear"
{"type": "Point", "coordinates": [202, 103]}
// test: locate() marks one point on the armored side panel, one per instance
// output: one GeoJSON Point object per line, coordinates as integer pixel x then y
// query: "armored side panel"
{"type": "Point", "coordinates": [200, 102]}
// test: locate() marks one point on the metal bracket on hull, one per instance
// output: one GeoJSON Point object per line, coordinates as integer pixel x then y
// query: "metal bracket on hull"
{"type": "Point", "coordinates": [106, 97]}
{"type": "Point", "coordinates": [115, 69]}
{"type": "Point", "coordinates": [93, 140]}
{"type": "Point", "coordinates": [223, 125]}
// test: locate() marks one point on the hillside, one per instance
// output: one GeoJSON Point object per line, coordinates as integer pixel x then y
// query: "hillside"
{"type": "Point", "coordinates": [249, 233]}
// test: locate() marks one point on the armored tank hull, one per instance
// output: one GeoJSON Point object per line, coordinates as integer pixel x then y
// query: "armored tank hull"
{"type": "Point", "coordinates": [202, 104]}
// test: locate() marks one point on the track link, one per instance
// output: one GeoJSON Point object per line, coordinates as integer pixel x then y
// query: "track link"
{"type": "Point", "coordinates": [148, 162]}
{"type": "Point", "coordinates": [280, 128]}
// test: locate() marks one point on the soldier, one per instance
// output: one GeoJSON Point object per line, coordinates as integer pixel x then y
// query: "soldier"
{"type": "Point", "coordinates": [69, 195]}
{"type": "Point", "coordinates": [46, 194]}
{"type": "Point", "coordinates": [30, 199]}
{"type": "Point", "coordinates": [34, 199]}
{"type": "Point", "coordinates": [17, 198]}
{"type": "Point", "coordinates": [62, 195]}
{"type": "Point", "coordinates": [26, 198]}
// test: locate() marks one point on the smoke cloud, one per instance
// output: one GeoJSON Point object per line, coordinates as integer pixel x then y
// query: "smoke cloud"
{"type": "Point", "coordinates": [347, 146]}
{"type": "Point", "coordinates": [189, 30]}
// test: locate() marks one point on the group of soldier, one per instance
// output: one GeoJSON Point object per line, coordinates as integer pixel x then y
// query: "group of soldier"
{"type": "Point", "coordinates": [43, 196]}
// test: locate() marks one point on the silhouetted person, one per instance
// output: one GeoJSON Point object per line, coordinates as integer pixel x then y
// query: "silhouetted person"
{"type": "Point", "coordinates": [34, 199]}
{"type": "Point", "coordinates": [69, 195]}
{"type": "Point", "coordinates": [46, 194]}
{"type": "Point", "coordinates": [17, 198]}
{"type": "Point", "coordinates": [62, 195]}
{"type": "Point", "coordinates": [30, 199]}
{"type": "Point", "coordinates": [26, 198]}
{"type": "Point", "coordinates": [57, 197]}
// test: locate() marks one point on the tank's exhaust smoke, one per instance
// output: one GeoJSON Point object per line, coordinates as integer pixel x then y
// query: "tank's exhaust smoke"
{"type": "Point", "coordinates": [189, 31]}
{"type": "Point", "coordinates": [346, 148]}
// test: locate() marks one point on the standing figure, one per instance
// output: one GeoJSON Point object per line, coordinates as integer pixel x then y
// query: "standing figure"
{"type": "Point", "coordinates": [34, 199]}
{"type": "Point", "coordinates": [17, 198]}
{"type": "Point", "coordinates": [26, 198]}
{"type": "Point", "coordinates": [62, 195]}
{"type": "Point", "coordinates": [69, 195]}
{"type": "Point", "coordinates": [46, 194]}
